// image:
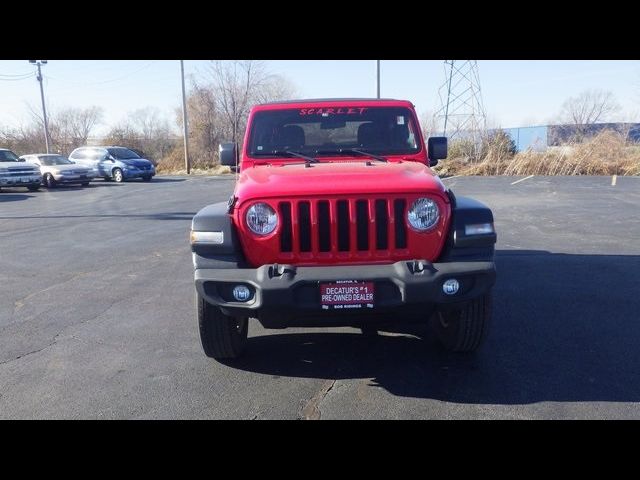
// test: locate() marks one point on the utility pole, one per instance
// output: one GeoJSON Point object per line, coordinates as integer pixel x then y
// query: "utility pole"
{"type": "Point", "coordinates": [39, 63]}
{"type": "Point", "coordinates": [378, 78]}
{"type": "Point", "coordinates": [187, 162]}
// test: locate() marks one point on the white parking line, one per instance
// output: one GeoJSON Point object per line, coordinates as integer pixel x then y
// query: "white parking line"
{"type": "Point", "coordinates": [614, 179]}
{"type": "Point", "coordinates": [522, 179]}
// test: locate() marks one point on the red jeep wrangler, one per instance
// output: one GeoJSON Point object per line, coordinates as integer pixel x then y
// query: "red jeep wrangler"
{"type": "Point", "coordinates": [338, 220]}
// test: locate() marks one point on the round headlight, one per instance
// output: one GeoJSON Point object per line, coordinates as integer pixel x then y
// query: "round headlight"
{"type": "Point", "coordinates": [423, 214]}
{"type": "Point", "coordinates": [261, 219]}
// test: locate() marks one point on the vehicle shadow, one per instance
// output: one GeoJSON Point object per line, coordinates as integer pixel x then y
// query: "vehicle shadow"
{"type": "Point", "coordinates": [13, 197]}
{"type": "Point", "coordinates": [107, 183]}
{"type": "Point", "coordinates": [166, 180]}
{"type": "Point", "coordinates": [565, 328]}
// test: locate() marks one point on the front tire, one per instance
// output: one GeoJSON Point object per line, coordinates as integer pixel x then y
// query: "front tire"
{"type": "Point", "coordinates": [49, 181]}
{"type": "Point", "coordinates": [146, 179]}
{"type": "Point", "coordinates": [463, 330]}
{"type": "Point", "coordinates": [222, 336]}
{"type": "Point", "coordinates": [117, 175]}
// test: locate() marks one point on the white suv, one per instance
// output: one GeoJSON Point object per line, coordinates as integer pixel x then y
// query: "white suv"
{"type": "Point", "coordinates": [15, 172]}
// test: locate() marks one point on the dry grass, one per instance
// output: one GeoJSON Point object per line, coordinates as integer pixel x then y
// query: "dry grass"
{"type": "Point", "coordinates": [605, 154]}
{"type": "Point", "coordinates": [216, 170]}
{"type": "Point", "coordinates": [173, 164]}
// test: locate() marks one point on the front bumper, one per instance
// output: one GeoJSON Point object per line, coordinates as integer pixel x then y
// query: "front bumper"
{"type": "Point", "coordinates": [73, 178]}
{"type": "Point", "coordinates": [22, 181]}
{"type": "Point", "coordinates": [284, 293]}
{"type": "Point", "coordinates": [138, 173]}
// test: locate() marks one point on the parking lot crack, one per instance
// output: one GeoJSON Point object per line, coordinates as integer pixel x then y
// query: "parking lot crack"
{"type": "Point", "coordinates": [53, 342]}
{"type": "Point", "coordinates": [55, 338]}
{"type": "Point", "coordinates": [311, 410]}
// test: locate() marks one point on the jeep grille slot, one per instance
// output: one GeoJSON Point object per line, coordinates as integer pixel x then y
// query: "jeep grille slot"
{"type": "Point", "coordinates": [343, 226]}
{"type": "Point", "coordinates": [382, 225]}
{"type": "Point", "coordinates": [285, 235]}
{"type": "Point", "coordinates": [304, 224]}
{"type": "Point", "coordinates": [324, 226]}
{"type": "Point", "coordinates": [400, 225]}
{"type": "Point", "coordinates": [362, 224]}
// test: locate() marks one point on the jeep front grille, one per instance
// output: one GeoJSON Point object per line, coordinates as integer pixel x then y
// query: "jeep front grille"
{"type": "Point", "coordinates": [343, 228]}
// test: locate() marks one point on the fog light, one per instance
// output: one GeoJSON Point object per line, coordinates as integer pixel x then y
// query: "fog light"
{"type": "Point", "coordinates": [241, 293]}
{"type": "Point", "coordinates": [451, 286]}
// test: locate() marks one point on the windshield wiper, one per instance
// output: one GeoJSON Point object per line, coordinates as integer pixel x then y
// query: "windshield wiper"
{"type": "Point", "coordinates": [356, 151]}
{"type": "Point", "coordinates": [290, 153]}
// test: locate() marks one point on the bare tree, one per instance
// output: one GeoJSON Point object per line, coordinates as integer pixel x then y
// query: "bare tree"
{"type": "Point", "coordinates": [82, 121]}
{"type": "Point", "coordinates": [233, 82]}
{"type": "Point", "coordinates": [149, 123]}
{"type": "Point", "coordinates": [68, 128]}
{"type": "Point", "coordinates": [145, 129]}
{"type": "Point", "coordinates": [218, 104]}
{"type": "Point", "coordinates": [430, 124]}
{"type": "Point", "coordinates": [588, 108]}
{"type": "Point", "coordinates": [238, 84]}
{"type": "Point", "coordinates": [274, 87]}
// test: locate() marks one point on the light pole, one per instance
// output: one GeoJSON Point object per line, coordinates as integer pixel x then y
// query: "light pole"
{"type": "Point", "coordinates": [39, 63]}
{"type": "Point", "coordinates": [187, 162]}
{"type": "Point", "coordinates": [378, 77]}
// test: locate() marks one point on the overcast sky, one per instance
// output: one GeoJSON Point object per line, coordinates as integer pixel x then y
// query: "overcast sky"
{"type": "Point", "coordinates": [515, 93]}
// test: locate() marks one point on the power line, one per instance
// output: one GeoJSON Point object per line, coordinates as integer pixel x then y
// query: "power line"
{"type": "Point", "coordinates": [16, 78]}
{"type": "Point", "coordinates": [102, 82]}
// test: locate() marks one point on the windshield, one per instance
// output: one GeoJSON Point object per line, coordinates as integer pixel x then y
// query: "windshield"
{"type": "Point", "coordinates": [55, 160]}
{"type": "Point", "coordinates": [334, 130]}
{"type": "Point", "coordinates": [8, 156]}
{"type": "Point", "coordinates": [122, 153]}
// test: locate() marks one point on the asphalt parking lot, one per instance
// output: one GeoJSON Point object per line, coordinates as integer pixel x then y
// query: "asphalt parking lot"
{"type": "Point", "coordinates": [97, 315]}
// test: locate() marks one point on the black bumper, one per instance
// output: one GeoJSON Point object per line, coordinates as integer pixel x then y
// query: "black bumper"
{"type": "Point", "coordinates": [284, 295]}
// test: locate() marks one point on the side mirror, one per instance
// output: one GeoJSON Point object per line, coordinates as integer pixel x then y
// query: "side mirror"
{"type": "Point", "coordinates": [436, 149]}
{"type": "Point", "coordinates": [228, 154]}
{"type": "Point", "coordinates": [21, 160]}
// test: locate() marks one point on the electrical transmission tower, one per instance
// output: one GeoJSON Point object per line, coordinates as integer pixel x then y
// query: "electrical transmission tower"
{"type": "Point", "coordinates": [461, 110]}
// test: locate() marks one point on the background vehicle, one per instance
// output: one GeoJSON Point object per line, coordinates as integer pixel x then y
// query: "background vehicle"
{"type": "Point", "coordinates": [15, 172]}
{"type": "Point", "coordinates": [56, 169]}
{"type": "Point", "coordinates": [338, 220]}
{"type": "Point", "coordinates": [114, 163]}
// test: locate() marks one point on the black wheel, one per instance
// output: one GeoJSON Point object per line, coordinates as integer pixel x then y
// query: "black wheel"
{"type": "Point", "coordinates": [85, 184]}
{"type": "Point", "coordinates": [146, 179]}
{"type": "Point", "coordinates": [463, 330]}
{"type": "Point", "coordinates": [49, 181]}
{"type": "Point", "coordinates": [117, 175]}
{"type": "Point", "coordinates": [369, 331]}
{"type": "Point", "coordinates": [33, 188]}
{"type": "Point", "coordinates": [222, 336]}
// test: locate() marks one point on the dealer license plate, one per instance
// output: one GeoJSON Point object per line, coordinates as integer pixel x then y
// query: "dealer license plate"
{"type": "Point", "coordinates": [347, 294]}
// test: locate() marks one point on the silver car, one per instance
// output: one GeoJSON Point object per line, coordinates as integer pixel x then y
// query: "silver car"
{"type": "Point", "coordinates": [57, 169]}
